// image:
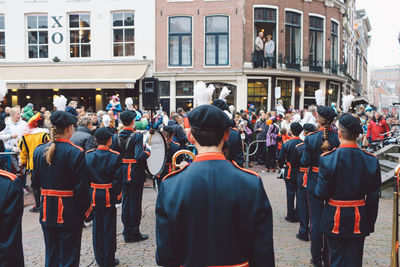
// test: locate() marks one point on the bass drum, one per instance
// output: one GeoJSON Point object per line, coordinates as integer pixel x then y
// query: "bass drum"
{"type": "Point", "coordinates": [158, 156]}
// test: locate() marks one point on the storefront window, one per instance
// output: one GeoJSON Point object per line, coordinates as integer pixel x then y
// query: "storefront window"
{"type": "Point", "coordinates": [293, 40]}
{"type": "Point", "coordinates": [123, 34]}
{"type": "Point", "coordinates": [257, 93]}
{"type": "Point", "coordinates": [316, 46]}
{"type": "Point", "coordinates": [333, 92]}
{"type": "Point", "coordinates": [309, 93]}
{"type": "Point", "coordinates": [79, 25]}
{"type": "Point", "coordinates": [180, 41]}
{"type": "Point", "coordinates": [39, 98]}
{"type": "Point", "coordinates": [164, 88]}
{"type": "Point", "coordinates": [2, 38]}
{"type": "Point", "coordinates": [217, 40]}
{"type": "Point", "coordinates": [286, 92]}
{"type": "Point", "coordinates": [185, 103]}
{"type": "Point", "coordinates": [230, 100]}
{"type": "Point", "coordinates": [184, 88]}
{"type": "Point", "coordinates": [38, 40]}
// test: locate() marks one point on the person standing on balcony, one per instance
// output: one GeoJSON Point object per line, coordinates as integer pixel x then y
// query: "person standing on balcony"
{"type": "Point", "coordinates": [269, 51]}
{"type": "Point", "coordinates": [259, 46]}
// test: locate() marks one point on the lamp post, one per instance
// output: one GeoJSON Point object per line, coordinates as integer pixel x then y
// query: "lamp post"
{"type": "Point", "coordinates": [330, 92]}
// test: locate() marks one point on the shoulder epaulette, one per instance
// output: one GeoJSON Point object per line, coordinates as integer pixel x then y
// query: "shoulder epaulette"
{"type": "Point", "coordinates": [175, 172]}
{"type": "Point", "coordinates": [9, 175]}
{"type": "Point", "coordinates": [78, 147]}
{"type": "Point", "coordinates": [90, 150]}
{"type": "Point", "coordinates": [175, 143]}
{"type": "Point", "coordinates": [245, 170]}
{"type": "Point", "coordinates": [369, 153]}
{"type": "Point", "coordinates": [328, 152]}
{"type": "Point", "coordinates": [234, 129]}
{"type": "Point", "coordinates": [300, 144]}
{"type": "Point", "coordinates": [115, 152]}
{"type": "Point", "coordinates": [312, 133]}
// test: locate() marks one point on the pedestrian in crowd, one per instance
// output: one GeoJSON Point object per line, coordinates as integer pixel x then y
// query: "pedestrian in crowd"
{"type": "Point", "coordinates": [35, 136]}
{"type": "Point", "coordinates": [15, 129]}
{"type": "Point", "coordinates": [272, 145]}
{"type": "Point", "coordinates": [269, 51]}
{"type": "Point", "coordinates": [71, 108]}
{"type": "Point", "coordinates": [60, 174]}
{"type": "Point", "coordinates": [130, 144]}
{"type": "Point", "coordinates": [115, 107]}
{"type": "Point", "coordinates": [83, 136]}
{"type": "Point", "coordinates": [222, 235]}
{"type": "Point", "coordinates": [182, 113]}
{"type": "Point", "coordinates": [310, 115]}
{"type": "Point", "coordinates": [377, 128]}
{"type": "Point", "coordinates": [47, 122]}
{"type": "Point", "coordinates": [105, 172]}
{"type": "Point", "coordinates": [11, 210]}
{"type": "Point", "coordinates": [279, 108]}
{"type": "Point", "coordinates": [259, 50]}
{"type": "Point", "coordinates": [28, 112]}
{"type": "Point", "coordinates": [3, 113]}
{"type": "Point", "coordinates": [349, 180]}
{"type": "Point", "coordinates": [290, 175]}
{"type": "Point", "coordinates": [95, 122]}
{"type": "Point", "coordinates": [314, 145]}
{"type": "Point", "coordinates": [301, 181]}
{"type": "Point", "coordinates": [43, 110]}
{"type": "Point", "coordinates": [179, 136]}
{"type": "Point", "coordinates": [285, 124]}
{"type": "Point", "coordinates": [261, 134]}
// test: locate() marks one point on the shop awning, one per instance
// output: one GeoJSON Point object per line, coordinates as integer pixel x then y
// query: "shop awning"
{"type": "Point", "coordinates": [72, 75]}
{"type": "Point", "coordinates": [360, 100]}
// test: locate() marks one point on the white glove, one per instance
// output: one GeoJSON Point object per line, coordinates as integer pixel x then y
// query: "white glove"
{"type": "Point", "coordinates": [147, 146]}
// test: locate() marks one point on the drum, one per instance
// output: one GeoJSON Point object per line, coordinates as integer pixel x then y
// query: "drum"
{"type": "Point", "coordinates": [156, 161]}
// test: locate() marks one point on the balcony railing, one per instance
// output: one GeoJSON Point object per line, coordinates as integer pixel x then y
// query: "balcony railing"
{"type": "Point", "coordinates": [316, 65]}
{"type": "Point", "coordinates": [290, 62]}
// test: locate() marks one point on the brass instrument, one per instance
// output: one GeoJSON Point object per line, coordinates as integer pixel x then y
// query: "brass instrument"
{"type": "Point", "coordinates": [182, 163]}
{"type": "Point", "coordinates": [395, 227]}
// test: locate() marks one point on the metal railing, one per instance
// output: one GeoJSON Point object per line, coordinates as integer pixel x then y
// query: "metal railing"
{"type": "Point", "coordinates": [248, 154]}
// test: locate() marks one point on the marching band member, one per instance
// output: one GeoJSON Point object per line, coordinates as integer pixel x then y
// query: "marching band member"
{"type": "Point", "coordinates": [314, 145]}
{"type": "Point", "coordinates": [60, 174]}
{"type": "Point", "coordinates": [301, 176]}
{"type": "Point", "coordinates": [349, 179]}
{"type": "Point", "coordinates": [105, 171]}
{"type": "Point", "coordinates": [172, 148]}
{"type": "Point", "coordinates": [134, 155]}
{"type": "Point", "coordinates": [213, 213]}
{"type": "Point", "coordinates": [11, 209]}
{"type": "Point", "coordinates": [290, 174]}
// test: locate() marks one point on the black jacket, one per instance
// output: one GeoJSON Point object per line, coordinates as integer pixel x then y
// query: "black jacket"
{"type": "Point", "coordinates": [83, 138]}
{"type": "Point", "coordinates": [180, 135]}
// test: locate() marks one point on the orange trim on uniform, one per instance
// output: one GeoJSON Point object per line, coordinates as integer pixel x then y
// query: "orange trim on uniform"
{"type": "Point", "coordinates": [348, 145]}
{"type": "Point", "coordinates": [62, 140]}
{"type": "Point", "coordinates": [289, 170]}
{"type": "Point", "coordinates": [113, 151]}
{"type": "Point", "coordinates": [315, 169]}
{"type": "Point", "coordinates": [347, 204]}
{"type": "Point", "coordinates": [60, 211]}
{"type": "Point", "coordinates": [326, 153]}
{"type": "Point", "coordinates": [8, 175]}
{"type": "Point", "coordinates": [101, 147]}
{"type": "Point", "coordinates": [175, 172]}
{"type": "Point", "coordinates": [57, 193]}
{"type": "Point", "coordinates": [294, 138]}
{"type": "Point", "coordinates": [209, 156]}
{"type": "Point", "coordinates": [89, 210]}
{"type": "Point", "coordinates": [102, 186]}
{"type": "Point", "coordinates": [245, 264]}
{"type": "Point", "coordinates": [119, 196]}
{"type": "Point", "coordinates": [128, 175]}
{"type": "Point", "coordinates": [369, 153]}
{"type": "Point", "coordinates": [129, 161]}
{"type": "Point", "coordinates": [147, 152]}
{"type": "Point", "coordinates": [94, 197]}
{"type": "Point", "coordinates": [128, 129]}
{"type": "Point", "coordinates": [305, 176]}
{"type": "Point", "coordinates": [44, 208]}
{"type": "Point", "coordinates": [176, 143]}
{"type": "Point", "coordinates": [245, 170]}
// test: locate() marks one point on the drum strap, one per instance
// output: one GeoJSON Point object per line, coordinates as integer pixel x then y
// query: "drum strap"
{"type": "Point", "coordinates": [127, 140]}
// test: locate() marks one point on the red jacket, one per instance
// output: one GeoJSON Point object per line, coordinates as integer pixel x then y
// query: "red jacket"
{"type": "Point", "coordinates": [375, 129]}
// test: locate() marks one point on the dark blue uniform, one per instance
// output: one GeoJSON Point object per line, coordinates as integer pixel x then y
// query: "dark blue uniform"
{"type": "Point", "coordinates": [302, 203]}
{"type": "Point", "coordinates": [310, 159]}
{"type": "Point", "coordinates": [65, 200]}
{"type": "Point", "coordinates": [173, 148]}
{"type": "Point", "coordinates": [130, 145]}
{"type": "Point", "coordinates": [213, 213]}
{"type": "Point", "coordinates": [285, 157]}
{"type": "Point", "coordinates": [235, 147]}
{"type": "Point", "coordinates": [349, 180]}
{"type": "Point", "coordinates": [105, 173]}
{"type": "Point", "coordinates": [11, 209]}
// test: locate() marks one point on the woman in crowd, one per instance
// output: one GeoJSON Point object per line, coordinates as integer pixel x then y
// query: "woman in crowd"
{"type": "Point", "coordinates": [272, 143]}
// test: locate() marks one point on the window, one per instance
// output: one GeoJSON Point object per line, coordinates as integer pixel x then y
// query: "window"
{"type": "Point", "coordinates": [184, 88]}
{"type": "Point", "coordinates": [2, 38]}
{"type": "Point", "coordinates": [123, 34]}
{"type": "Point", "coordinates": [79, 35]}
{"type": "Point", "coordinates": [257, 93]}
{"type": "Point", "coordinates": [309, 93]}
{"type": "Point", "coordinates": [292, 40]}
{"type": "Point", "coordinates": [334, 47]}
{"type": "Point", "coordinates": [217, 40]}
{"type": "Point", "coordinates": [316, 44]}
{"type": "Point", "coordinates": [164, 91]}
{"type": "Point", "coordinates": [38, 36]}
{"type": "Point", "coordinates": [333, 93]}
{"type": "Point", "coordinates": [180, 41]}
{"type": "Point", "coordinates": [286, 92]}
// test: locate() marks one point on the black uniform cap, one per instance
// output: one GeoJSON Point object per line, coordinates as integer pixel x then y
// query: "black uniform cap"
{"type": "Point", "coordinates": [326, 112]}
{"type": "Point", "coordinates": [221, 104]}
{"type": "Point", "coordinates": [62, 119]}
{"type": "Point", "coordinates": [169, 129]}
{"type": "Point", "coordinates": [309, 127]}
{"type": "Point", "coordinates": [127, 116]}
{"type": "Point", "coordinates": [208, 117]}
{"type": "Point", "coordinates": [103, 133]}
{"type": "Point", "coordinates": [351, 124]}
{"type": "Point", "coordinates": [296, 128]}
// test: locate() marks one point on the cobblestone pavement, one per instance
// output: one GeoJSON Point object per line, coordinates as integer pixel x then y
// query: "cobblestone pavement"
{"type": "Point", "coordinates": [289, 251]}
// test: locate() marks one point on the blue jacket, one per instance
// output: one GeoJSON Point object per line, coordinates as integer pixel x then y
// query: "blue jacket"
{"type": "Point", "coordinates": [11, 209]}
{"type": "Point", "coordinates": [213, 213]}
{"type": "Point", "coordinates": [300, 169]}
{"type": "Point", "coordinates": [179, 135]}
{"type": "Point", "coordinates": [286, 157]}
{"type": "Point", "coordinates": [134, 155]}
{"type": "Point", "coordinates": [173, 148]}
{"type": "Point", "coordinates": [105, 169]}
{"type": "Point", "coordinates": [235, 147]}
{"type": "Point", "coordinates": [63, 184]}
{"type": "Point", "coordinates": [349, 174]}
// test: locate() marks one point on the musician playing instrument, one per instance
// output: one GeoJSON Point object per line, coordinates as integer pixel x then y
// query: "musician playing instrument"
{"type": "Point", "coordinates": [105, 172]}
{"type": "Point", "coordinates": [349, 179]}
{"type": "Point", "coordinates": [130, 144]}
{"type": "Point", "coordinates": [212, 212]}
{"type": "Point", "coordinates": [60, 174]}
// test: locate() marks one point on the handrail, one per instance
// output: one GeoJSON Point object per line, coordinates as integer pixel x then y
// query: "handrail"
{"type": "Point", "coordinates": [248, 155]}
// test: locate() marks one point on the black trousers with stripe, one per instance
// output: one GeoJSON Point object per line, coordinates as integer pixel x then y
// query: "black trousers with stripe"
{"type": "Point", "coordinates": [104, 231]}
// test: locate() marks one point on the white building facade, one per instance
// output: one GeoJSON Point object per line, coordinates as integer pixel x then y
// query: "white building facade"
{"type": "Point", "coordinates": [87, 50]}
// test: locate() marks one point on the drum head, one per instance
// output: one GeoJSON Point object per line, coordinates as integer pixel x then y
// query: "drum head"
{"type": "Point", "coordinates": [156, 161]}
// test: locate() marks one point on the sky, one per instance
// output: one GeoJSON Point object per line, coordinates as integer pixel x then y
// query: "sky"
{"type": "Point", "coordinates": [384, 16]}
